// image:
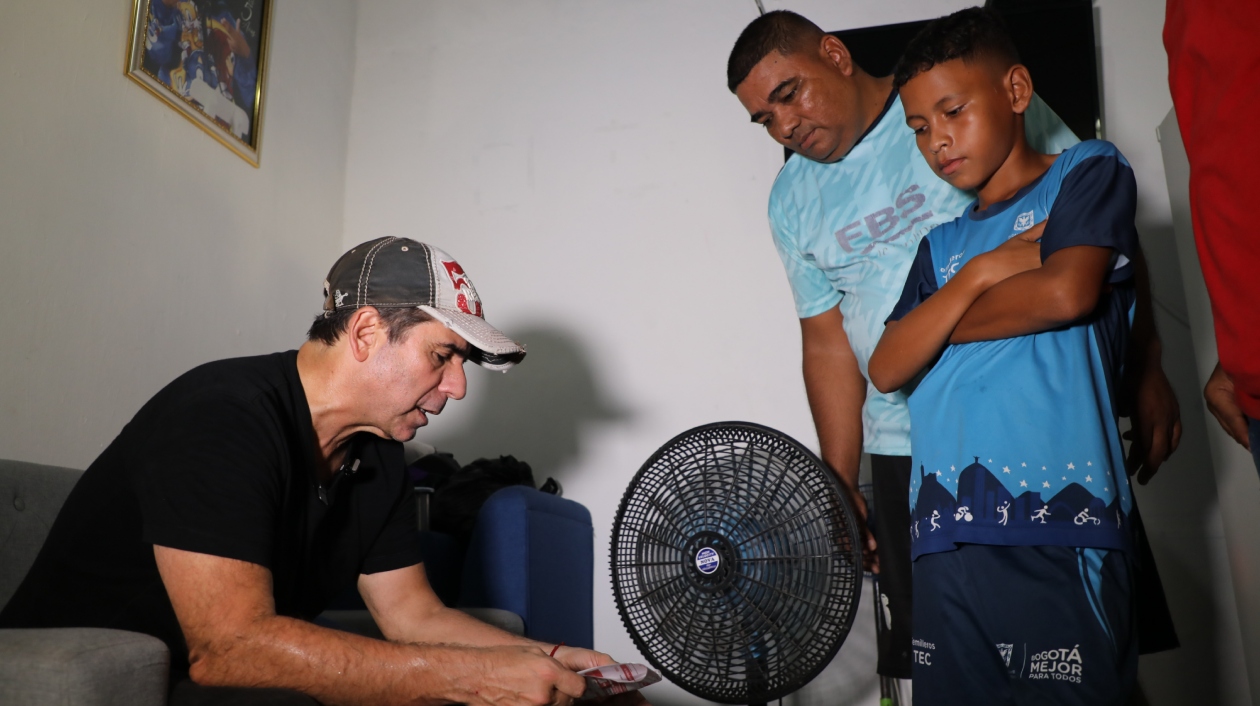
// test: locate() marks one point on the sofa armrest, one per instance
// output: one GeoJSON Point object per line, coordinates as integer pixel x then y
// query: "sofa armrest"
{"type": "Point", "coordinates": [83, 667]}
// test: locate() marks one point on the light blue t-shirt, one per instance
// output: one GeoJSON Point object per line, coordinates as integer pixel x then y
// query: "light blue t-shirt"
{"type": "Point", "coordinates": [847, 231]}
{"type": "Point", "coordinates": [1016, 440]}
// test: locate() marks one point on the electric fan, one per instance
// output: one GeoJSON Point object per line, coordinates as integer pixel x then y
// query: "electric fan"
{"type": "Point", "coordinates": [736, 564]}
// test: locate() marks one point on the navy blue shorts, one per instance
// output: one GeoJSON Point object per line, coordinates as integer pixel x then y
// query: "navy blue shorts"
{"type": "Point", "coordinates": [1023, 625]}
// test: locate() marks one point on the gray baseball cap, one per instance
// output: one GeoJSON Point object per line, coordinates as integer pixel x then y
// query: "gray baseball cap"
{"type": "Point", "coordinates": [400, 272]}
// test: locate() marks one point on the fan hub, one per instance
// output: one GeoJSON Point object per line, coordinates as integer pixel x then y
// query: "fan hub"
{"type": "Point", "coordinates": [712, 561]}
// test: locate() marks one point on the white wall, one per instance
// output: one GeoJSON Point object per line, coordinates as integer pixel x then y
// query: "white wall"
{"type": "Point", "coordinates": [1235, 470]}
{"type": "Point", "coordinates": [586, 164]}
{"type": "Point", "coordinates": [1180, 506]}
{"type": "Point", "coordinates": [132, 245]}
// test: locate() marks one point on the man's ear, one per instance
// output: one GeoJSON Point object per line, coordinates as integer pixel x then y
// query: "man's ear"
{"type": "Point", "coordinates": [835, 53]}
{"type": "Point", "coordinates": [1019, 87]}
{"type": "Point", "coordinates": [365, 332]}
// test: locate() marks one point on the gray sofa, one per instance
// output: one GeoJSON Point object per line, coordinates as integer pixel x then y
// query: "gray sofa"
{"type": "Point", "coordinates": [68, 666]}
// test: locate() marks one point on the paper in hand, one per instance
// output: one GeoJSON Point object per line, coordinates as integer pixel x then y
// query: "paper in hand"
{"type": "Point", "coordinates": [613, 679]}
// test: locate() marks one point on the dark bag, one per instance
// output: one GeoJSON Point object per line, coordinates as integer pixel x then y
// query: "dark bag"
{"type": "Point", "coordinates": [433, 470]}
{"type": "Point", "coordinates": [459, 498]}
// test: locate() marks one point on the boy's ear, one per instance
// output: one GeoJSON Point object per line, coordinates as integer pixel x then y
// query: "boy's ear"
{"type": "Point", "coordinates": [1019, 87]}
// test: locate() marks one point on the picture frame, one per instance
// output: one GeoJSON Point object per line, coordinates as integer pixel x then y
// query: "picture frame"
{"type": "Point", "coordinates": [207, 59]}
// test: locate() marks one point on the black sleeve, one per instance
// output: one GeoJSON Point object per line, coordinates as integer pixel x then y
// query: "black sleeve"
{"type": "Point", "coordinates": [398, 544]}
{"type": "Point", "coordinates": [208, 479]}
{"type": "Point", "coordinates": [1096, 205]}
{"type": "Point", "coordinates": [920, 283]}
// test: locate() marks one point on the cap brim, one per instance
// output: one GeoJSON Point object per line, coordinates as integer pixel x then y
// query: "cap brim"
{"type": "Point", "coordinates": [494, 350]}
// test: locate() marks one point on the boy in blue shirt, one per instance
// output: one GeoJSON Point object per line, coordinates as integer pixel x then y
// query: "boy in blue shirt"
{"type": "Point", "coordinates": [1019, 499]}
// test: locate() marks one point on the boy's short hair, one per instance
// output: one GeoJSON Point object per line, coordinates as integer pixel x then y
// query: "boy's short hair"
{"type": "Point", "coordinates": [783, 31]}
{"type": "Point", "coordinates": [970, 34]}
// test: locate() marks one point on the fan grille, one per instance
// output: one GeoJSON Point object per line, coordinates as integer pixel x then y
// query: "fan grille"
{"type": "Point", "coordinates": [772, 611]}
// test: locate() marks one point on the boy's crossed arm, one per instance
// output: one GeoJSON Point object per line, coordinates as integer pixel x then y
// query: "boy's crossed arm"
{"type": "Point", "coordinates": [1003, 293]}
{"type": "Point", "coordinates": [1062, 290]}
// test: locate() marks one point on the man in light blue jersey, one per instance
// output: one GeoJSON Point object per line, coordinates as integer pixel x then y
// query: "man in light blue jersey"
{"type": "Point", "coordinates": [847, 213]}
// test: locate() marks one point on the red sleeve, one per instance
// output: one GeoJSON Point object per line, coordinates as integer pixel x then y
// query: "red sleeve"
{"type": "Point", "coordinates": [1213, 71]}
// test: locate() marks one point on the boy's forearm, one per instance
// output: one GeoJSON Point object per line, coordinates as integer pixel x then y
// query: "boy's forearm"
{"type": "Point", "coordinates": [1061, 291]}
{"type": "Point", "coordinates": [1015, 307]}
{"type": "Point", "coordinates": [909, 345]}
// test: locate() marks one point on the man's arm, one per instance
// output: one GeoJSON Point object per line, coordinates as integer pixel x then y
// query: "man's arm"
{"type": "Point", "coordinates": [234, 637]}
{"type": "Point", "coordinates": [1221, 402]}
{"type": "Point", "coordinates": [406, 609]}
{"type": "Point", "coordinates": [836, 391]}
{"type": "Point", "coordinates": [1146, 395]}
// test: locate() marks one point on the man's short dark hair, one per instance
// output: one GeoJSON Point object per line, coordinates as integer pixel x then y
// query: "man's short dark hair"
{"type": "Point", "coordinates": [398, 320]}
{"type": "Point", "coordinates": [780, 30]}
{"type": "Point", "coordinates": [972, 34]}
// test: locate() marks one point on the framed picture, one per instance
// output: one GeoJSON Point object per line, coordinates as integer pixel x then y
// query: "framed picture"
{"type": "Point", "coordinates": [207, 59]}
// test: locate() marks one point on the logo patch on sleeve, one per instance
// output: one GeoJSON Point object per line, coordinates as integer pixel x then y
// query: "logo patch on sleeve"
{"type": "Point", "coordinates": [1023, 221]}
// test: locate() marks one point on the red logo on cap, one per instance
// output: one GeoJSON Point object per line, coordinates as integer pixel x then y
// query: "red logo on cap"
{"type": "Point", "coordinates": [466, 296]}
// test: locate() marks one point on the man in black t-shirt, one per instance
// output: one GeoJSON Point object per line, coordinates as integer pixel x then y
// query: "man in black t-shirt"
{"type": "Point", "coordinates": [248, 493]}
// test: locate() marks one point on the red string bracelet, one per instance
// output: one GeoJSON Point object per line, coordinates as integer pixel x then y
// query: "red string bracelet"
{"type": "Point", "coordinates": [553, 650]}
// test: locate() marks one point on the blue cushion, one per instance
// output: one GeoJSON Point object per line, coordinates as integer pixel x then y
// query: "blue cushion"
{"type": "Point", "coordinates": [533, 554]}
